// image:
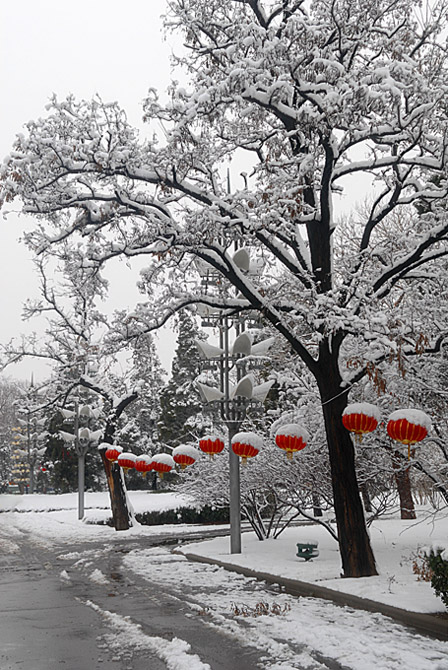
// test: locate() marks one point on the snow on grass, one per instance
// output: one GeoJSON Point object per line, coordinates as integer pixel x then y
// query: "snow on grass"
{"type": "Point", "coordinates": [127, 634]}
{"type": "Point", "coordinates": [142, 501]}
{"type": "Point", "coordinates": [395, 543]}
{"type": "Point", "coordinates": [352, 638]}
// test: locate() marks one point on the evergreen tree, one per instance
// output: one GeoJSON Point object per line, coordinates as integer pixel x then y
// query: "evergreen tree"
{"type": "Point", "coordinates": [180, 402]}
{"type": "Point", "coordinates": [148, 377]}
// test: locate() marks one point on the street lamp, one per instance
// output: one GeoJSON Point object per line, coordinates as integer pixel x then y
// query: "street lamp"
{"type": "Point", "coordinates": [82, 438]}
{"type": "Point", "coordinates": [234, 397]}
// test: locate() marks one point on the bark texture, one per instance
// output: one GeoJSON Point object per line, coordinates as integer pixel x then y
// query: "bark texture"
{"type": "Point", "coordinates": [403, 482]}
{"type": "Point", "coordinates": [356, 553]}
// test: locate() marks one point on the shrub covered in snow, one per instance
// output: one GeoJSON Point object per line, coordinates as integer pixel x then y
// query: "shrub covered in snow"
{"type": "Point", "coordinates": [437, 559]}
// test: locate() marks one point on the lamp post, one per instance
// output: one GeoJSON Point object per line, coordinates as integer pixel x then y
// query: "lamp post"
{"type": "Point", "coordinates": [82, 438]}
{"type": "Point", "coordinates": [234, 394]}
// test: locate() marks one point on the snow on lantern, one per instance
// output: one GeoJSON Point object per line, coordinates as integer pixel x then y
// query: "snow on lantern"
{"type": "Point", "coordinates": [246, 445]}
{"type": "Point", "coordinates": [211, 445]}
{"type": "Point", "coordinates": [408, 426]}
{"type": "Point", "coordinates": [361, 418]}
{"type": "Point", "coordinates": [291, 438]}
{"type": "Point", "coordinates": [143, 464]}
{"type": "Point", "coordinates": [113, 452]}
{"type": "Point", "coordinates": [185, 455]}
{"type": "Point", "coordinates": [126, 461]}
{"type": "Point", "coordinates": [162, 463]}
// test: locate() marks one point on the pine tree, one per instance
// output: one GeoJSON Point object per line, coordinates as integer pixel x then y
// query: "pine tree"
{"type": "Point", "coordinates": [180, 403]}
{"type": "Point", "coordinates": [148, 377]}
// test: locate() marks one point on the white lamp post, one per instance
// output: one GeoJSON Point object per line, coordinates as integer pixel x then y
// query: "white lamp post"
{"type": "Point", "coordinates": [82, 438]}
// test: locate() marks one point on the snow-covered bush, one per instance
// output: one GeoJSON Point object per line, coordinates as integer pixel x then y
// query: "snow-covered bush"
{"type": "Point", "coordinates": [437, 560]}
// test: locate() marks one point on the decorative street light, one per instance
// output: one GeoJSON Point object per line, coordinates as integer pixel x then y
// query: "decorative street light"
{"type": "Point", "coordinates": [234, 394]}
{"type": "Point", "coordinates": [82, 438]}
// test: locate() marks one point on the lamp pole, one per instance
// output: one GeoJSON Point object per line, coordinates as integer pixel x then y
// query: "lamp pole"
{"type": "Point", "coordinates": [82, 437]}
{"type": "Point", "coordinates": [233, 422]}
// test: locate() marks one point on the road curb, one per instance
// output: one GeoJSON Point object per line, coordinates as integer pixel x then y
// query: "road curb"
{"type": "Point", "coordinates": [427, 624]}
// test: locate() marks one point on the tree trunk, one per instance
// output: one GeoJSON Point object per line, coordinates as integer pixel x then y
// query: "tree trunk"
{"type": "Point", "coordinates": [403, 482]}
{"type": "Point", "coordinates": [120, 512]}
{"type": "Point", "coordinates": [366, 498]}
{"type": "Point", "coordinates": [356, 553]}
{"type": "Point", "coordinates": [317, 509]}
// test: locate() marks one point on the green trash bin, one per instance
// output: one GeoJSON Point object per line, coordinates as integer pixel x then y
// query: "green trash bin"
{"type": "Point", "coordinates": [307, 550]}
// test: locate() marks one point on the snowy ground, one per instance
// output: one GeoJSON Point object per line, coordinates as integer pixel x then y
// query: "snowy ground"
{"type": "Point", "coordinates": [295, 632]}
{"type": "Point", "coordinates": [396, 544]}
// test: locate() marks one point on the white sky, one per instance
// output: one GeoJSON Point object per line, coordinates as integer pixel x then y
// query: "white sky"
{"type": "Point", "coordinates": [108, 47]}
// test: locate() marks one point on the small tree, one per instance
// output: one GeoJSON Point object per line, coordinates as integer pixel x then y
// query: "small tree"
{"type": "Point", "coordinates": [76, 344]}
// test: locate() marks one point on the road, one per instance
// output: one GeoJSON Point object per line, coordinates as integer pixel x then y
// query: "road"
{"type": "Point", "coordinates": [53, 616]}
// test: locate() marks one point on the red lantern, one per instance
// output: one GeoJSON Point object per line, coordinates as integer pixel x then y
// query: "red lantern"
{"type": "Point", "coordinates": [246, 445]}
{"type": "Point", "coordinates": [162, 463]}
{"type": "Point", "coordinates": [361, 418]}
{"type": "Point", "coordinates": [143, 464]}
{"type": "Point", "coordinates": [126, 461]}
{"type": "Point", "coordinates": [291, 438]}
{"type": "Point", "coordinates": [211, 445]}
{"type": "Point", "coordinates": [113, 452]}
{"type": "Point", "coordinates": [185, 455]}
{"type": "Point", "coordinates": [408, 426]}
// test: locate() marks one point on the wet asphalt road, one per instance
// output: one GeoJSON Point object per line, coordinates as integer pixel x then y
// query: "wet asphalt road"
{"type": "Point", "coordinates": [46, 622]}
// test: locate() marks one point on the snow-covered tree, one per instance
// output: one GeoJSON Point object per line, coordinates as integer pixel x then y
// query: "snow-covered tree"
{"type": "Point", "coordinates": [311, 96]}
{"type": "Point", "coordinates": [9, 391]}
{"type": "Point", "coordinates": [147, 375]}
{"type": "Point", "coordinates": [75, 344]}
{"type": "Point", "coordinates": [180, 404]}
{"type": "Point", "coordinates": [33, 433]}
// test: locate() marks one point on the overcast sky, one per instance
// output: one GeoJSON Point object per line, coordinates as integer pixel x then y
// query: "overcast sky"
{"type": "Point", "coordinates": [109, 47]}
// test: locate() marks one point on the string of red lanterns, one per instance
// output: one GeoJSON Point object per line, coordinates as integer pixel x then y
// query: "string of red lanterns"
{"type": "Point", "coordinates": [407, 426]}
